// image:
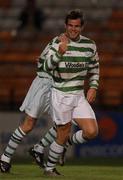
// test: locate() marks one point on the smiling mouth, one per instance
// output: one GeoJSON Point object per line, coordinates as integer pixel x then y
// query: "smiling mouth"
{"type": "Point", "coordinates": [73, 34]}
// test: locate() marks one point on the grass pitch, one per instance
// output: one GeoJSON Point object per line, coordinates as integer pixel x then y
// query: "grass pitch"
{"type": "Point", "coordinates": [86, 169]}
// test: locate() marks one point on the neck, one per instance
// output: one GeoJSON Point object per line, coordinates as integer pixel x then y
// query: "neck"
{"type": "Point", "coordinates": [76, 40]}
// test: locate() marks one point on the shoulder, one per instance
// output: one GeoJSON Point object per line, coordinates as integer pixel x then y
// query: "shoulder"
{"type": "Point", "coordinates": [88, 42]}
{"type": "Point", "coordinates": [54, 41]}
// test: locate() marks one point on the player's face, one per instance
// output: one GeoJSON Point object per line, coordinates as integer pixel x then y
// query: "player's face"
{"type": "Point", "coordinates": [73, 29]}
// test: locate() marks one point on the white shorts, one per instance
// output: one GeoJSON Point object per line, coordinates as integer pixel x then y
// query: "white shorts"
{"type": "Point", "coordinates": [66, 107]}
{"type": "Point", "coordinates": [37, 100]}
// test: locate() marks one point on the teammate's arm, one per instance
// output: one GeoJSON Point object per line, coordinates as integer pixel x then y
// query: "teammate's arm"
{"type": "Point", "coordinates": [56, 51]}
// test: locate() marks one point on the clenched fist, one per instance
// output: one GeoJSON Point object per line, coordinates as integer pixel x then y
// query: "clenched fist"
{"type": "Point", "coordinates": [63, 43]}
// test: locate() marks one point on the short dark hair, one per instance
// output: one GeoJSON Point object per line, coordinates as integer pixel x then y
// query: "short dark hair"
{"type": "Point", "coordinates": [75, 14]}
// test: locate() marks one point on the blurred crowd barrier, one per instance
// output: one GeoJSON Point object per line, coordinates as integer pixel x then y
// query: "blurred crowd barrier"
{"type": "Point", "coordinates": [109, 142]}
{"type": "Point", "coordinates": [9, 121]}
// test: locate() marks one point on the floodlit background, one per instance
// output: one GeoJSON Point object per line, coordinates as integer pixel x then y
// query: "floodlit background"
{"type": "Point", "coordinates": [22, 40]}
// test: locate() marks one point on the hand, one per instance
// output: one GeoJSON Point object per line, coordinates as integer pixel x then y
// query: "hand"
{"type": "Point", "coordinates": [63, 43]}
{"type": "Point", "coordinates": [63, 38]}
{"type": "Point", "coordinates": [91, 95]}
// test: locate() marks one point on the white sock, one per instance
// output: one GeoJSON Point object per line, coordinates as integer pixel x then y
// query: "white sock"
{"type": "Point", "coordinates": [54, 154]}
{"type": "Point", "coordinates": [77, 138]}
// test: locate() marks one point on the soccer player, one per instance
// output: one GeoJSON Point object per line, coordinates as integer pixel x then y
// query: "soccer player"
{"type": "Point", "coordinates": [72, 57]}
{"type": "Point", "coordinates": [36, 102]}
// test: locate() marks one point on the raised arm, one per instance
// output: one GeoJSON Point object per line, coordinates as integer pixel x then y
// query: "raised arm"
{"type": "Point", "coordinates": [55, 53]}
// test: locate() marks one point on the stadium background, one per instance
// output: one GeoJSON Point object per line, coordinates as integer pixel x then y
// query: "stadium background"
{"type": "Point", "coordinates": [104, 24]}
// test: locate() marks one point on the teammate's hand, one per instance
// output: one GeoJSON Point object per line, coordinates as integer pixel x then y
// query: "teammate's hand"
{"type": "Point", "coordinates": [91, 95]}
{"type": "Point", "coordinates": [63, 43]}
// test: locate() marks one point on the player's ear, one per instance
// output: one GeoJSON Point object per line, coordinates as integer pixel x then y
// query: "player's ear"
{"type": "Point", "coordinates": [65, 26]}
{"type": "Point", "coordinates": [82, 27]}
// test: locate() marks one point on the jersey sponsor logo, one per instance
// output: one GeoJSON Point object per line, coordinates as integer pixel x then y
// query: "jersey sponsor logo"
{"type": "Point", "coordinates": [68, 53]}
{"type": "Point", "coordinates": [75, 65]}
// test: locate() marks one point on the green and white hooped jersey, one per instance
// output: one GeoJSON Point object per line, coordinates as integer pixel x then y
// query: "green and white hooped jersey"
{"type": "Point", "coordinates": [70, 70]}
{"type": "Point", "coordinates": [40, 61]}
